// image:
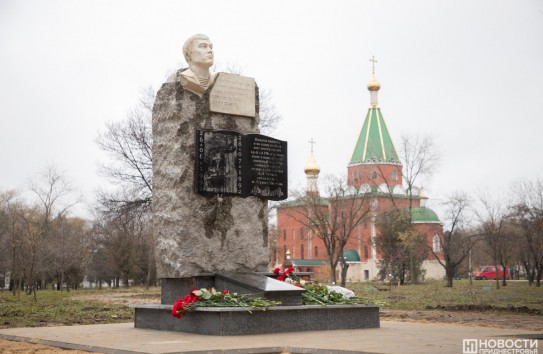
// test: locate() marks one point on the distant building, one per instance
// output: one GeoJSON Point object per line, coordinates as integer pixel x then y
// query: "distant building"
{"type": "Point", "coordinates": [374, 167]}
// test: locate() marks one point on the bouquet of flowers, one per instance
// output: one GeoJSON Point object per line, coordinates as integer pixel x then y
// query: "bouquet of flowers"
{"type": "Point", "coordinates": [317, 293]}
{"type": "Point", "coordinates": [212, 298]}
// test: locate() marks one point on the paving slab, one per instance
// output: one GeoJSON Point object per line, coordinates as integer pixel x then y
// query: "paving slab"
{"type": "Point", "coordinates": [392, 337]}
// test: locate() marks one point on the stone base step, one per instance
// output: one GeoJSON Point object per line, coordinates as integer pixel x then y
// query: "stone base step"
{"type": "Point", "coordinates": [231, 321]}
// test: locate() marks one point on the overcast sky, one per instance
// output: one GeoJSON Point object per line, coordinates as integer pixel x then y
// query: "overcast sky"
{"type": "Point", "coordinates": [469, 73]}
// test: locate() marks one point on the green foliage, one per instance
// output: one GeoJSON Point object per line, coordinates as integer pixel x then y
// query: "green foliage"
{"type": "Point", "coordinates": [318, 294]}
{"type": "Point", "coordinates": [214, 298]}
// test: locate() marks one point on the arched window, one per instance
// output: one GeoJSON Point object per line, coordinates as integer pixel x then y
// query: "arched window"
{"type": "Point", "coordinates": [316, 251]}
{"type": "Point", "coordinates": [394, 175]}
{"type": "Point", "coordinates": [302, 252]}
{"type": "Point", "coordinates": [436, 244]}
{"type": "Point", "coordinates": [373, 175]}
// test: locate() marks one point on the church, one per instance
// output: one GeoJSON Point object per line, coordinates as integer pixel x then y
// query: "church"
{"type": "Point", "coordinates": [375, 171]}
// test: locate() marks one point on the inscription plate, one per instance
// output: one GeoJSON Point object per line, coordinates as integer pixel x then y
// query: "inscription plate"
{"type": "Point", "coordinates": [233, 94]}
{"type": "Point", "coordinates": [231, 163]}
{"type": "Point", "coordinates": [267, 167]}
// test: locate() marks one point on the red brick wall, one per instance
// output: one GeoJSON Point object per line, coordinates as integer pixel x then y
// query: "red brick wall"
{"type": "Point", "coordinates": [374, 174]}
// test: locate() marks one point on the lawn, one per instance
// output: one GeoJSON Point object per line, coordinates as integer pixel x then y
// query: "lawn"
{"type": "Point", "coordinates": [88, 306]}
{"type": "Point", "coordinates": [434, 294]}
{"type": "Point", "coordinates": [59, 308]}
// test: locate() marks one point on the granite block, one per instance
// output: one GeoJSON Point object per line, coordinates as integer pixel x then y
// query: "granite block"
{"type": "Point", "coordinates": [227, 321]}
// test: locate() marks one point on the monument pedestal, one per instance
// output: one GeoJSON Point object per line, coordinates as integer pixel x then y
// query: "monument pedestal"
{"type": "Point", "coordinates": [292, 316]}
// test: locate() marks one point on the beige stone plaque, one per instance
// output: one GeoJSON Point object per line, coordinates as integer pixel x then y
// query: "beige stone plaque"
{"type": "Point", "coordinates": [233, 94]}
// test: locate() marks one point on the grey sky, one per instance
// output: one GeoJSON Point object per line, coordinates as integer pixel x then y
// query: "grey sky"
{"type": "Point", "coordinates": [468, 72]}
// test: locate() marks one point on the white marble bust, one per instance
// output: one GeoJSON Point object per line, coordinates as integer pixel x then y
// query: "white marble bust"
{"type": "Point", "coordinates": [198, 52]}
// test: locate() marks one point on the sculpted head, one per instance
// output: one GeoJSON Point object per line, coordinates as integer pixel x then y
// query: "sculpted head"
{"type": "Point", "coordinates": [198, 50]}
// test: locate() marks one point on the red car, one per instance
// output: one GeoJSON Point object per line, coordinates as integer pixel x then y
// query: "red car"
{"type": "Point", "coordinates": [489, 272]}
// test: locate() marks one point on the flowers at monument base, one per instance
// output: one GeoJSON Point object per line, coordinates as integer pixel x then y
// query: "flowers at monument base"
{"type": "Point", "coordinates": [181, 306]}
{"type": "Point", "coordinates": [213, 298]}
{"type": "Point", "coordinates": [317, 293]}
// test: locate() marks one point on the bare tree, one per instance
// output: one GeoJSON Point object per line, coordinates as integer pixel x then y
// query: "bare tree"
{"type": "Point", "coordinates": [420, 158]}
{"type": "Point", "coordinates": [68, 249]}
{"type": "Point", "coordinates": [14, 241]}
{"type": "Point", "coordinates": [128, 144]}
{"type": "Point", "coordinates": [54, 198]}
{"type": "Point", "coordinates": [455, 243]}
{"type": "Point", "coordinates": [493, 219]}
{"type": "Point", "coordinates": [333, 218]}
{"type": "Point", "coordinates": [5, 258]}
{"type": "Point", "coordinates": [527, 214]}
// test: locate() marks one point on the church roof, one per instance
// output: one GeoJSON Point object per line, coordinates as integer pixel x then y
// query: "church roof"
{"type": "Point", "coordinates": [374, 142]}
{"type": "Point", "coordinates": [424, 215]}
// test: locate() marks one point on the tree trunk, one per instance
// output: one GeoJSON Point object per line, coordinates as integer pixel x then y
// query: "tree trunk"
{"type": "Point", "coordinates": [148, 278]}
{"type": "Point", "coordinates": [450, 276]}
{"type": "Point", "coordinates": [344, 270]}
{"type": "Point", "coordinates": [333, 275]}
{"type": "Point", "coordinates": [412, 270]}
{"type": "Point", "coordinates": [18, 289]}
{"type": "Point", "coordinates": [497, 278]}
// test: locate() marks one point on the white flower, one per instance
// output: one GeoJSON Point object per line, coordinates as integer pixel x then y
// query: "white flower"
{"type": "Point", "coordinates": [302, 282]}
{"type": "Point", "coordinates": [288, 280]}
{"type": "Point", "coordinates": [347, 294]}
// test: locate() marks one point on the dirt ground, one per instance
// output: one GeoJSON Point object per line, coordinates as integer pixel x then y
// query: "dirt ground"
{"type": "Point", "coordinates": [483, 318]}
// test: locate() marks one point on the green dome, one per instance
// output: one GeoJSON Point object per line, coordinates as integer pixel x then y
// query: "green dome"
{"type": "Point", "coordinates": [424, 215]}
{"type": "Point", "coordinates": [351, 256]}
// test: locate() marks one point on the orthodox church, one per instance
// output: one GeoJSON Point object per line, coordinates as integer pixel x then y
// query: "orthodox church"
{"type": "Point", "coordinates": [374, 169]}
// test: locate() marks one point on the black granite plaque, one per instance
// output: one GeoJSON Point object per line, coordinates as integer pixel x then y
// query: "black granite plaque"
{"type": "Point", "coordinates": [231, 163]}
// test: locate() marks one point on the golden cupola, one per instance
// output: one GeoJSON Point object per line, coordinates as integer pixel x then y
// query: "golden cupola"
{"type": "Point", "coordinates": [312, 168]}
{"type": "Point", "coordinates": [374, 85]}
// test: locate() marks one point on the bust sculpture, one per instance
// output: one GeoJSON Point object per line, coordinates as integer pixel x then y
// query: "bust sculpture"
{"type": "Point", "coordinates": [198, 52]}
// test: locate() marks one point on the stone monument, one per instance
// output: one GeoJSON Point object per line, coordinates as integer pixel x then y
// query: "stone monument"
{"type": "Point", "coordinates": [197, 234]}
{"type": "Point", "coordinates": [213, 174]}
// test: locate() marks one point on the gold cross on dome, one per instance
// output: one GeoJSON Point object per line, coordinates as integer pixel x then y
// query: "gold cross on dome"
{"type": "Point", "coordinates": [312, 142]}
{"type": "Point", "coordinates": [373, 61]}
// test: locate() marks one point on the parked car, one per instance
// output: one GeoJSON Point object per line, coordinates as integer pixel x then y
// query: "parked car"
{"type": "Point", "coordinates": [489, 272]}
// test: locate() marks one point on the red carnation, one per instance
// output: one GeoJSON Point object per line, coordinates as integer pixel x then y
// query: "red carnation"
{"type": "Point", "coordinates": [289, 270]}
{"type": "Point", "coordinates": [277, 270]}
{"type": "Point", "coordinates": [281, 277]}
{"type": "Point", "coordinates": [177, 309]}
{"type": "Point", "coordinates": [225, 292]}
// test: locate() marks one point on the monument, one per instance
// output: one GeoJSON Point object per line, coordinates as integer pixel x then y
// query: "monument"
{"type": "Point", "coordinates": [213, 174]}
{"type": "Point", "coordinates": [202, 221]}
